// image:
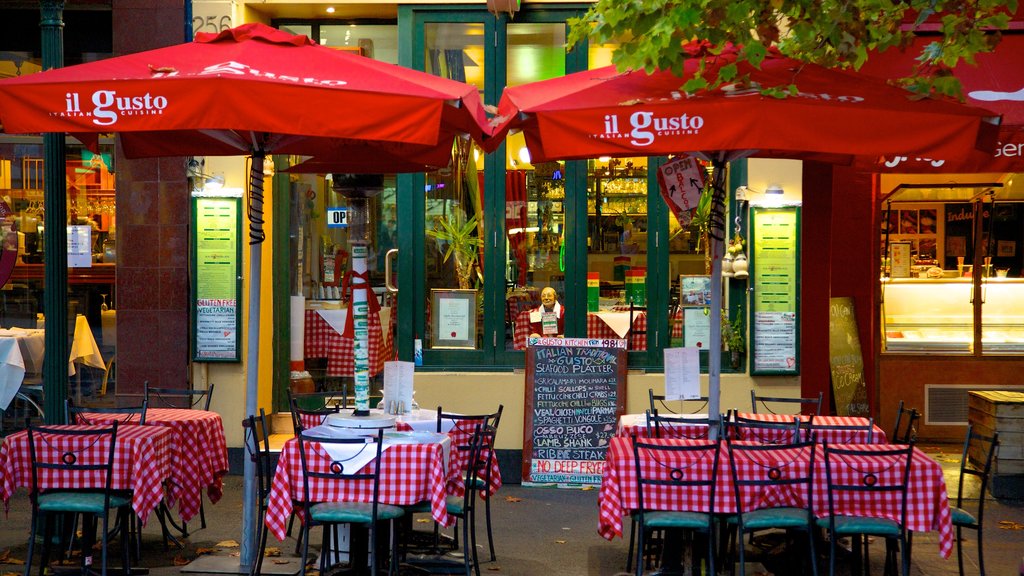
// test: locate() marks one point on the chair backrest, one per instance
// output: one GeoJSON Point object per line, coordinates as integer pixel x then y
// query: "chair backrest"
{"type": "Point", "coordinates": [257, 445]}
{"type": "Point", "coordinates": [746, 429]}
{"type": "Point", "coordinates": [663, 470]}
{"type": "Point", "coordinates": [810, 406]}
{"type": "Point", "coordinates": [905, 430]}
{"type": "Point", "coordinates": [660, 426]}
{"type": "Point", "coordinates": [635, 311]}
{"type": "Point", "coordinates": [121, 414]}
{"type": "Point", "coordinates": [306, 418]}
{"type": "Point", "coordinates": [478, 463]}
{"type": "Point", "coordinates": [179, 397]}
{"type": "Point", "coordinates": [659, 404]}
{"type": "Point", "coordinates": [853, 433]}
{"type": "Point", "coordinates": [462, 433]}
{"type": "Point", "coordinates": [771, 475]}
{"type": "Point", "coordinates": [69, 459]}
{"type": "Point", "coordinates": [868, 482]}
{"type": "Point", "coordinates": [976, 460]}
{"type": "Point", "coordinates": [319, 465]}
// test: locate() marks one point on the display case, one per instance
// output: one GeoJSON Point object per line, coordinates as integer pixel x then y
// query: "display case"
{"type": "Point", "coordinates": [928, 315]}
{"type": "Point", "coordinates": [1002, 316]}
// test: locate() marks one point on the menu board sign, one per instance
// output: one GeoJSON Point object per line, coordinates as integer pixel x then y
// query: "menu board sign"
{"type": "Point", "coordinates": [845, 361]}
{"type": "Point", "coordinates": [217, 280]}
{"type": "Point", "coordinates": [575, 393]}
{"type": "Point", "coordinates": [775, 274]}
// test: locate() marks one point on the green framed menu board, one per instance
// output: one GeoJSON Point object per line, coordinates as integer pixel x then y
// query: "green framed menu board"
{"type": "Point", "coordinates": [775, 278]}
{"type": "Point", "coordinates": [216, 278]}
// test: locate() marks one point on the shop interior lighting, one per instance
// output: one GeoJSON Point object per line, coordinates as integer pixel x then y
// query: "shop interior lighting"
{"type": "Point", "coordinates": [330, 9]}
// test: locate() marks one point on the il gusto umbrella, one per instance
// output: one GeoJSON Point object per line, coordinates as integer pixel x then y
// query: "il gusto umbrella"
{"type": "Point", "coordinates": [247, 90]}
{"type": "Point", "coordinates": [837, 116]}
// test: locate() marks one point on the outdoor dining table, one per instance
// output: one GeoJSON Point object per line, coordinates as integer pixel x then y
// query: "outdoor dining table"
{"type": "Point", "coordinates": [323, 339]}
{"type": "Point", "coordinates": [201, 456]}
{"type": "Point", "coordinates": [143, 461]}
{"type": "Point", "coordinates": [409, 473]}
{"type": "Point", "coordinates": [829, 428]}
{"type": "Point", "coordinates": [927, 499]}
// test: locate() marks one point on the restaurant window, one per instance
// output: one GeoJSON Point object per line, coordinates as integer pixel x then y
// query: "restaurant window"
{"type": "Point", "coordinates": [951, 254]}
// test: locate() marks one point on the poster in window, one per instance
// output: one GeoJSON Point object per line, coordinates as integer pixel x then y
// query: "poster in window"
{"type": "Point", "coordinates": [453, 318]}
{"type": "Point", "coordinates": [899, 253]}
{"type": "Point", "coordinates": [695, 290]}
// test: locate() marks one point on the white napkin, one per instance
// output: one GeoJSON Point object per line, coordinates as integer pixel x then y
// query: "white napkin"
{"type": "Point", "coordinates": [617, 321]}
{"type": "Point", "coordinates": [336, 318]}
{"type": "Point", "coordinates": [352, 456]}
{"type": "Point", "coordinates": [12, 370]}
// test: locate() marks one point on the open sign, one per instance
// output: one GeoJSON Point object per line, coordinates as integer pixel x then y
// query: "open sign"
{"type": "Point", "coordinates": [337, 217]}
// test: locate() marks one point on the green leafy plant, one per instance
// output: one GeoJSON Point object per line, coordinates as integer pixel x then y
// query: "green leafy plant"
{"type": "Point", "coordinates": [732, 332]}
{"type": "Point", "coordinates": [461, 240]}
{"type": "Point", "coordinates": [832, 33]}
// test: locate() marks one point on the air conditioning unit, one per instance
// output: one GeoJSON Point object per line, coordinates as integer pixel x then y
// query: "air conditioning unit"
{"type": "Point", "coordinates": [946, 404]}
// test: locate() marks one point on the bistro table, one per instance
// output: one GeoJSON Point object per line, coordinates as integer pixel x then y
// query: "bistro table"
{"type": "Point", "coordinates": [927, 499]}
{"type": "Point", "coordinates": [202, 456]}
{"type": "Point", "coordinates": [143, 461]}
{"type": "Point", "coordinates": [409, 473]}
{"type": "Point", "coordinates": [830, 428]}
{"type": "Point", "coordinates": [323, 339]}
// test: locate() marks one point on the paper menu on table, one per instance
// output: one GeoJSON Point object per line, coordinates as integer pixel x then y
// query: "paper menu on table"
{"type": "Point", "coordinates": [398, 377]}
{"type": "Point", "coordinates": [682, 373]}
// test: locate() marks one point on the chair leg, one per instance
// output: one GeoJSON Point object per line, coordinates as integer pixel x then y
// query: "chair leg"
{"type": "Point", "coordinates": [104, 545]}
{"type": "Point", "coordinates": [981, 552]}
{"type": "Point", "coordinates": [632, 540]}
{"type": "Point", "coordinates": [959, 552]}
{"type": "Point", "coordinates": [31, 543]}
{"type": "Point", "coordinates": [640, 547]}
{"type": "Point", "coordinates": [202, 513]}
{"type": "Point", "coordinates": [44, 559]}
{"type": "Point", "coordinates": [257, 566]}
{"type": "Point", "coordinates": [490, 535]}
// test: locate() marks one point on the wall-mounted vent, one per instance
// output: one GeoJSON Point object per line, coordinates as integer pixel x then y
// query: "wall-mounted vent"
{"type": "Point", "coordinates": [946, 404]}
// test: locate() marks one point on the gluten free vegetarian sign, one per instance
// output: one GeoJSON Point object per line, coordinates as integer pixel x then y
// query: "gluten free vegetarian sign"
{"type": "Point", "coordinates": [217, 260]}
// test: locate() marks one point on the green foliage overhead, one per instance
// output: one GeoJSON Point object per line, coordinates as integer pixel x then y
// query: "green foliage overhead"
{"type": "Point", "coordinates": [832, 33]}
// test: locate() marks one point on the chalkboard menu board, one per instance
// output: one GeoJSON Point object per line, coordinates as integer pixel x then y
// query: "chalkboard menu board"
{"type": "Point", "coordinates": [845, 360]}
{"type": "Point", "coordinates": [575, 393]}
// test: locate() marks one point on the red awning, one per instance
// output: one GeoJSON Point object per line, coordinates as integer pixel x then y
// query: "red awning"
{"type": "Point", "coordinates": [996, 84]}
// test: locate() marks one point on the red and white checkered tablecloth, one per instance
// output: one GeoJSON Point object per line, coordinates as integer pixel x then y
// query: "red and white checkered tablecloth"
{"type": "Point", "coordinates": [462, 435]}
{"type": "Point", "coordinates": [927, 501]}
{"type": "Point", "coordinates": [827, 428]}
{"type": "Point", "coordinates": [142, 462]}
{"type": "Point", "coordinates": [323, 341]}
{"type": "Point", "coordinates": [202, 460]}
{"type": "Point", "coordinates": [410, 473]}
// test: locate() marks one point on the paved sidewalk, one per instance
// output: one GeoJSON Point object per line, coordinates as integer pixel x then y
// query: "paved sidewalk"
{"type": "Point", "coordinates": [548, 531]}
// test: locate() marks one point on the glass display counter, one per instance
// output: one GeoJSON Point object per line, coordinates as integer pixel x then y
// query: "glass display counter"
{"type": "Point", "coordinates": [1002, 316]}
{"type": "Point", "coordinates": [924, 315]}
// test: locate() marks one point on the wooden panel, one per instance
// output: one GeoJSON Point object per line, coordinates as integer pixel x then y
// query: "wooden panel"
{"type": "Point", "coordinates": [999, 411]}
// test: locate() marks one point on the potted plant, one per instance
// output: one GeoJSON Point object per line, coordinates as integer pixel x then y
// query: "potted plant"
{"type": "Point", "coordinates": [732, 338]}
{"type": "Point", "coordinates": [460, 236]}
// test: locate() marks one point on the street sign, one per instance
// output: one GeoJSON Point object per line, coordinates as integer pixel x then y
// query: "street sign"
{"type": "Point", "coordinates": [337, 217]}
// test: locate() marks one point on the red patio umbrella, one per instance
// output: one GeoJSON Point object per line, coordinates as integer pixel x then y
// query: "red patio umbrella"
{"type": "Point", "coordinates": [836, 116]}
{"type": "Point", "coordinates": [247, 90]}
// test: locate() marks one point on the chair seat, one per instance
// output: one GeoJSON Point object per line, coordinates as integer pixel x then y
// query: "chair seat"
{"type": "Point", "coordinates": [962, 517]}
{"type": "Point", "coordinates": [455, 505]}
{"type": "Point", "coordinates": [78, 502]}
{"type": "Point", "coordinates": [667, 519]}
{"type": "Point", "coordinates": [782, 517]}
{"type": "Point", "coordinates": [352, 512]}
{"type": "Point", "coordinates": [862, 525]}
{"type": "Point", "coordinates": [421, 507]}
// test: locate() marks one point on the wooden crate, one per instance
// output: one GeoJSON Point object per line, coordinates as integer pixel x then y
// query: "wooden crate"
{"type": "Point", "coordinates": [999, 411]}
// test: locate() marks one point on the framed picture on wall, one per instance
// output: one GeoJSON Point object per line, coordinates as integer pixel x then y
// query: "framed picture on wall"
{"type": "Point", "coordinates": [695, 290]}
{"type": "Point", "coordinates": [453, 318]}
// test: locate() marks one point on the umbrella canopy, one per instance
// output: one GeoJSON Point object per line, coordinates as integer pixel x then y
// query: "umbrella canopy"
{"type": "Point", "coordinates": [837, 116]}
{"type": "Point", "coordinates": [245, 88]}
{"type": "Point", "coordinates": [249, 90]}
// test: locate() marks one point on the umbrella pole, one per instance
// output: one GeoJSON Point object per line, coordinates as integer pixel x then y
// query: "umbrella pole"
{"type": "Point", "coordinates": [716, 235]}
{"type": "Point", "coordinates": [256, 237]}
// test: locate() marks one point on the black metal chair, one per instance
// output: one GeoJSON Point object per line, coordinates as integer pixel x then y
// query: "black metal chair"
{"type": "Point", "coordinates": [660, 404]}
{"type": "Point", "coordinates": [983, 449]}
{"type": "Point", "coordinates": [905, 430]}
{"type": "Point", "coordinates": [481, 449]}
{"type": "Point", "coordinates": [317, 464]}
{"type": "Point", "coordinates": [691, 467]}
{"type": "Point", "coordinates": [769, 471]}
{"type": "Point", "coordinates": [660, 426]}
{"type": "Point", "coordinates": [122, 415]}
{"type": "Point", "coordinates": [740, 428]}
{"type": "Point", "coordinates": [814, 403]}
{"type": "Point", "coordinates": [312, 409]}
{"type": "Point", "coordinates": [634, 313]}
{"type": "Point", "coordinates": [858, 473]}
{"type": "Point", "coordinates": [257, 445]}
{"type": "Point", "coordinates": [843, 433]}
{"type": "Point", "coordinates": [178, 397]}
{"type": "Point", "coordinates": [463, 429]}
{"type": "Point", "coordinates": [83, 459]}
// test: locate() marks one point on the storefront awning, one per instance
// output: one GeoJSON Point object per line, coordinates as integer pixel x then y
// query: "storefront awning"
{"type": "Point", "coordinates": [996, 84]}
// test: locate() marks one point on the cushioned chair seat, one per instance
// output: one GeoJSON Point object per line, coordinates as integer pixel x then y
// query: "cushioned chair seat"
{"type": "Point", "coordinates": [962, 517]}
{"type": "Point", "coordinates": [353, 512]}
{"type": "Point", "coordinates": [421, 507]}
{"type": "Point", "coordinates": [455, 504]}
{"type": "Point", "coordinates": [858, 525]}
{"type": "Point", "coordinates": [663, 519]}
{"type": "Point", "coordinates": [78, 502]}
{"type": "Point", "coordinates": [774, 518]}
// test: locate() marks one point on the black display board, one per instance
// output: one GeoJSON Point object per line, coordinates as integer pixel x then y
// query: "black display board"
{"type": "Point", "coordinates": [575, 393]}
{"type": "Point", "coordinates": [846, 363]}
